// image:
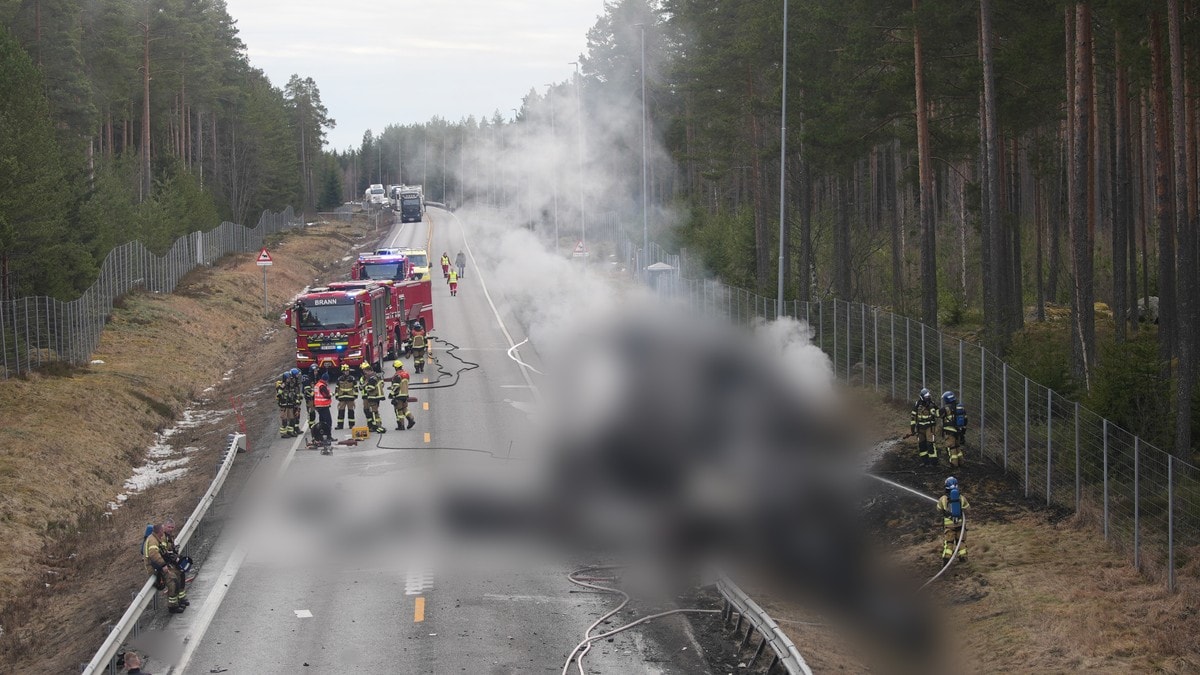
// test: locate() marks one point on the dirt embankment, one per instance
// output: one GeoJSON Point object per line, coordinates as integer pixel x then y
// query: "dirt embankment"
{"type": "Point", "coordinates": [1042, 592]}
{"type": "Point", "coordinates": [72, 438]}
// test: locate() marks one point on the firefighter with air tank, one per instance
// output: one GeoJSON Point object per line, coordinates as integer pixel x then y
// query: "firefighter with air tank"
{"type": "Point", "coordinates": [950, 508]}
{"type": "Point", "coordinates": [398, 392]}
{"type": "Point", "coordinates": [922, 424]}
{"type": "Point", "coordinates": [953, 417]}
{"type": "Point", "coordinates": [373, 393]}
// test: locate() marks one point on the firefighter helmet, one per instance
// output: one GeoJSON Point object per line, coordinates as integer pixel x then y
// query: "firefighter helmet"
{"type": "Point", "coordinates": [398, 364]}
{"type": "Point", "coordinates": [951, 483]}
{"type": "Point", "coordinates": [345, 367]}
{"type": "Point", "coordinates": [925, 395]}
{"type": "Point", "coordinates": [294, 371]}
{"type": "Point", "coordinates": [948, 398]}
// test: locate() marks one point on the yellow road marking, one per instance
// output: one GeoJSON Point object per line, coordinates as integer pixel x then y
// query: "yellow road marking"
{"type": "Point", "coordinates": [419, 610]}
{"type": "Point", "coordinates": [425, 405]}
{"type": "Point", "coordinates": [426, 436]}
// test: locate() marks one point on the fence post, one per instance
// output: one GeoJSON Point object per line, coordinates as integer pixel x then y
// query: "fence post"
{"type": "Point", "coordinates": [1137, 558]}
{"type": "Point", "coordinates": [1105, 453]}
{"type": "Point", "coordinates": [1078, 488]}
{"type": "Point", "coordinates": [1049, 439]}
{"type": "Point", "coordinates": [835, 339]}
{"type": "Point", "coordinates": [1170, 523]}
{"type": "Point", "coordinates": [941, 364]}
{"type": "Point", "coordinates": [1004, 414]}
{"type": "Point", "coordinates": [821, 325]}
{"type": "Point", "coordinates": [892, 321]}
{"type": "Point", "coordinates": [982, 400]}
{"type": "Point", "coordinates": [907, 357]}
{"type": "Point", "coordinates": [849, 333]}
{"type": "Point", "coordinates": [924, 379]}
{"type": "Point", "coordinates": [961, 391]}
{"type": "Point", "coordinates": [1026, 438]}
{"type": "Point", "coordinates": [876, 327]}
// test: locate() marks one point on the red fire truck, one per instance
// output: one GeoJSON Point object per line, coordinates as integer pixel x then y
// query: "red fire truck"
{"type": "Point", "coordinates": [393, 264]}
{"type": "Point", "coordinates": [336, 326]}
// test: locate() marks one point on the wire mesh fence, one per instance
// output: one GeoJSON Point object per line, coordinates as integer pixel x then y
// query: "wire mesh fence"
{"type": "Point", "coordinates": [1144, 501]}
{"type": "Point", "coordinates": [35, 331]}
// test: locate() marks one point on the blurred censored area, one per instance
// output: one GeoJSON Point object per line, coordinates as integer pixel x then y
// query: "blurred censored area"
{"type": "Point", "coordinates": [680, 445]}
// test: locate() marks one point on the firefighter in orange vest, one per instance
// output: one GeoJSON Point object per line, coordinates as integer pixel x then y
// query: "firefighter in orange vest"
{"type": "Point", "coordinates": [322, 399]}
{"type": "Point", "coordinates": [398, 392]}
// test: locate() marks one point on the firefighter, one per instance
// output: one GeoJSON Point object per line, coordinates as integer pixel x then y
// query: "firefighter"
{"type": "Point", "coordinates": [921, 424]}
{"type": "Point", "coordinates": [170, 553]}
{"type": "Point", "coordinates": [951, 507]}
{"type": "Point", "coordinates": [345, 390]}
{"type": "Point", "coordinates": [460, 261]}
{"type": "Point", "coordinates": [453, 281]}
{"type": "Point", "coordinates": [398, 393]}
{"type": "Point", "coordinates": [295, 395]}
{"type": "Point", "coordinates": [285, 407]}
{"type": "Point", "coordinates": [322, 400]}
{"type": "Point", "coordinates": [445, 264]}
{"type": "Point", "coordinates": [373, 393]}
{"type": "Point", "coordinates": [308, 380]}
{"type": "Point", "coordinates": [420, 347]}
{"type": "Point", "coordinates": [168, 576]}
{"type": "Point", "coordinates": [954, 427]}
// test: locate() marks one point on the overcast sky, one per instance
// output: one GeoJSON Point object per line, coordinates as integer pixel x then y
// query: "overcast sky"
{"type": "Point", "coordinates": [390, 61]}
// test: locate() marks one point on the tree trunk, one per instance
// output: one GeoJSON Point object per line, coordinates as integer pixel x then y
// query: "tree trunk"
{"type": "Point", "coordinates": [1167, 324]}
{"type": "Point", "coordinates": [1120, 226]}
{"type": "Point", "coordinates": [929, 286]}
{"type": "Point", "coordinates": [1186, 375]}
{"type": "Point", "coordinates": [761, 253]}
{"type": "Point", "coordinates": [1037, 224]}
{"type": "Point", "coordinates": [146, 177]}
{"type": "Point", "coordinates": [1082, 302]}
{"type": "Point", "coordinates": [841, 240]}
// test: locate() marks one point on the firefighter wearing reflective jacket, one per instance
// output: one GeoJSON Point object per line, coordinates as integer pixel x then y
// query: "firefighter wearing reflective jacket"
{"type": "Point", "coordinates": [373, 393]}
{"type": "Point", "coordinates": [295, 396]}
{"type": "Point", "coordinates": [322, 400]}
{"type": "Point", "coordinates": [954, 427]}
{"type": "Point", "coordinates": [420, 349]}
{"type": "Point", "coordinates": [922, 424]}
{"type": "Point", "coordinates": [167, 575]}
{"type": "Point", "coordinates": [285, 412]}
{"type": "Point", "coordinates": [345, 390]}
{"type": "Point", "coordinates": [950, 509]}
{"type": "Point", "coordinates": [398, 392]}
{"type": "Point", "coordinates": [308, 381]}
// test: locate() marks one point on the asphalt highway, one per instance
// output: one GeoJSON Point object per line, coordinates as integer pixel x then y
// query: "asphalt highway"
{"type": "Point", "coordinates": [344, 563]}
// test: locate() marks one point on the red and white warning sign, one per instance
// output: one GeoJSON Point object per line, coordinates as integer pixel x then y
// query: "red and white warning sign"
{"type": "Point", "coordinates": [580, 251]}
{"type": "Point", "coordinates": [264, 259]}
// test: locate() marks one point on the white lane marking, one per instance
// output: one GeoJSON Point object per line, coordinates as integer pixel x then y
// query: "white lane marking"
{"type": "Point", "coordinates": [224, 580]}
{"type": "Point", "coordinates": [488, 296]}
{"type": "Point", "coordinates": [514, 386]}
{"type": "Point", "coordinates": [418, 580]}
{"type": "Point", "coordinates": [302, 613]}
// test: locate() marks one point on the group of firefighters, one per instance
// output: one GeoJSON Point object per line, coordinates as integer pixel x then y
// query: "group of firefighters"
{"type": "Point", "coordinates": [951, 415]}
{"type": "Point", "coordinates": [318, 390]}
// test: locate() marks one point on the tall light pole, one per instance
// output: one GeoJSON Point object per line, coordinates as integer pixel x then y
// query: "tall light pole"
{"type": "Point", "coordinates": [579, 118]}
{"type": "Point", "coordinates": [782, 164]}
{"type": "Point", "coordinates": [554, 140]}
{"type": "Point", "coordinates": [645, 186]}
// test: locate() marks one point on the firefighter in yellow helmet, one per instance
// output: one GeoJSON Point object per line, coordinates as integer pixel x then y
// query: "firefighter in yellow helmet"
{"type": "Point", "coordinates": [950, 508]}
{"type": "Point", "coordinates": [345, 390]}
{"type": "Point", "coordinates": [398, 392]}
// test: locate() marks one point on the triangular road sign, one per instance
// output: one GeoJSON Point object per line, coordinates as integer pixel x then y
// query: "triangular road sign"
{"type": "Point", "coordinates": [579, 251]}
{"type": "Point", "coordinates": [264, 258]}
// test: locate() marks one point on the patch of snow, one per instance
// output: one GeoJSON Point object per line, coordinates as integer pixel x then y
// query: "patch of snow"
{"type": "Point", "coordinates": [345, 259]}
{"type": "Point", "coordinates": [165, 463]}
{"type": "Point", "coordinates": [95, 362]}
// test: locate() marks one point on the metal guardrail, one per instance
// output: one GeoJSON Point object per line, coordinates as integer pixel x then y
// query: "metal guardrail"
{"type": "Point", "coordinates": [105, 659]}
{"type": "Point", "coordinates": [757, 619]}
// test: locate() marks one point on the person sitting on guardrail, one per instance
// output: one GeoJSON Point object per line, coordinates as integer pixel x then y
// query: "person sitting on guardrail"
{"type": "Point", "coordinates": [951, 507]}
{"type": "Point", "coordinates": [167, 575]}
{"type": "Point", "coordinates": [954, 427]}
{"type": "Point", "coordinates": [921, 424]}
{"type": "Point", "coordinates": [170, 553]}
